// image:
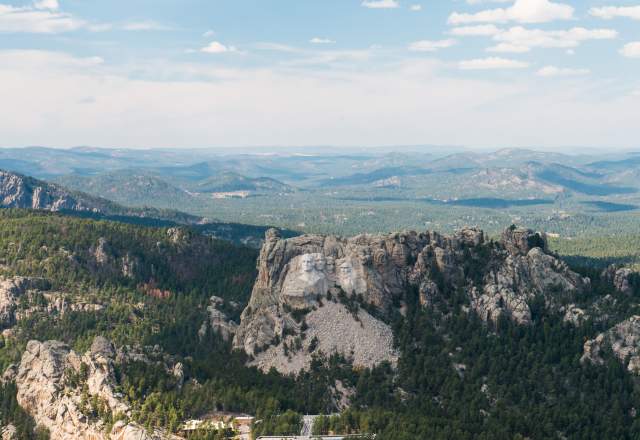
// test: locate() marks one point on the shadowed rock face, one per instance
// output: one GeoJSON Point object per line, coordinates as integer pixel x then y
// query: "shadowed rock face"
{"type": "Point", "coordinates": [298, 276]}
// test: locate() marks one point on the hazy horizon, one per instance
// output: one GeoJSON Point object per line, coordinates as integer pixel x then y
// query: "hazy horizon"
{"type": "Point", "coordinates": [337, 149]}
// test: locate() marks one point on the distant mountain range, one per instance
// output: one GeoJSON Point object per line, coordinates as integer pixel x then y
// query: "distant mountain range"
{"type": "Point", "coordinates": [319, 192]}
{"type": "Point", "coordinates": [20, 191]}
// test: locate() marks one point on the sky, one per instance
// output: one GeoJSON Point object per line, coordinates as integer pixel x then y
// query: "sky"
{"type": "Point", "coordinates": [232, 73]}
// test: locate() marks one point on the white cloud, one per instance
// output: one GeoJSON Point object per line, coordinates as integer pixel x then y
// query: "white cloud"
{"type": "Point", "coordinates": [41, 18]}
{"type": "Point", "coordinates": [549, 71]}
{"type": "Point", "coordinates": [519, 39]}
{"type": "Point", "coordinates": [146, 25]}
{"type": "Point", "coordinates": [508, 48]}
{"type": "Point", "coordinates": [631, 50]}
{"type": "Point", "coordinates": [522, 11]}
{"type": "Point", "coordinates": [431, 45]}
{"type": "Point", "coordinates": [492, 63]}
{"type": "Point", "coordinates": [208, 34]}
{"type": "Point", "coordinates": [44, 17]}
{"type": "Point", "coordinates": [610, 12]}
{"type": "Point", "coordinates": [380, 4]}
{"type": "Point", "coordinates": [317, 40]}
{"type": "Point", "coordinates": [45, 103]}
{"type": "Point", "coordinates": [217, 47]}
{"type": "Point", "coordinates": [481, 30]}
{"type": "Point", "coordinates": [47, 4]}
{"type": "Point", "coordinates": [415, 8]}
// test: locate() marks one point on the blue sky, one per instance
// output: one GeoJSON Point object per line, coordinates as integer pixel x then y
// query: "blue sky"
{"type": "Point", "coordinates": [480, 73]}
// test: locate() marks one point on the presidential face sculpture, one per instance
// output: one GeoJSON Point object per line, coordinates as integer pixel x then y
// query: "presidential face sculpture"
{"type": "Point", "coordinates": [307, 263]}
{"type": "Point", "coordinates": [331, 265]}
{"type": "Point", "coordinates": [320, 262]}
{"type": "Point", "coordinates": [306, 277]}
{"type": "Point", "coordinates": [311, 275]}
{"type": "Point", "coordinates": [345, 276]}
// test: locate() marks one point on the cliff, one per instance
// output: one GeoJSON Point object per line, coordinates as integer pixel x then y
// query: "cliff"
{"type": "Point", "coordinates": [318, 294]}
{"type": "Point", "coordinates": [73, 394]}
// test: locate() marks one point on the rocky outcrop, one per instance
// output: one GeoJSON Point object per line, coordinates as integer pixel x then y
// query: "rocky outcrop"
{"type": "Point", "coordinates": [106, 258]}
{"type": "Point", "coordinates": [11, 289]}
{"type": "Point", "coordinates": [218, 320]}
{"type": "Point", "coordinates": [519, 241]}
{"type": "Point", "coordinates": [574, 315]}
{"type": "Point", "coordinates": [34, 296]}
{"type": "Point", "coordinates": [331, 328]}
{"type": "Point", "coordinates": [521, 277]}
{"type": "Point", "coordinates": [624, 342]}
{"type": "Point", "coordinates": [315, 275]}
{"type": "Point", "coordinates": [9, 432]}
{"type": "Point", "coordinates": [18, 191]}
{"type": "Point", "coordinates": [622, 278]}
{"type": "Point", "coordinates": [50, 381]}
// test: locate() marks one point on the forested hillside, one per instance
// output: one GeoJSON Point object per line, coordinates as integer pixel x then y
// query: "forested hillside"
{"type": "Point", "coordinates": [457, 377]}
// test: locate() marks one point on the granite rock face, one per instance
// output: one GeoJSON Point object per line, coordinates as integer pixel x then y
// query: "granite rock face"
{"type": "Point", "coordinates": [519, 241]}
{"type": "Point", "coordinates": [313, 275]}
{"type": "Point", "coordinates": [11, 289]}
{"type": "Point", "coordinates": [624, 342]}
{"type": "Point", "coordinates": [9, 432]}
{"type": "Point", "coordinates": [218, 321]}
{"type": "Point", "coordinates": [17, 191]}
{"type": "Point", "coordinates": [621, 278]}
{"type": "Point", "coordinates": [575, 315]}
{"type": "Point", "coordinates": [35, 296]}
{"type": "Point", "coordinates": [520, 278]}
{"type": "Point", "coordinates": [50, 379]}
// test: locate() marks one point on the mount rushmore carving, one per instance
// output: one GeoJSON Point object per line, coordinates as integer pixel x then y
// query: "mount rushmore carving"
{"type": "Point", "coordinates": [294, 298]}
{"type": "Point", "coordinates": [312, 275]}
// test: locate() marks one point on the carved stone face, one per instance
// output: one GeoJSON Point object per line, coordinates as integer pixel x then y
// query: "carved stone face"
{"type": "Point", "coordinates": [330, 264]}
{"type": "Point", "coordinates": [346, 269]}
{"type": "Point", "coordinates": [307, 263]}
{"type": "Point", "coordinates": [320, 263]}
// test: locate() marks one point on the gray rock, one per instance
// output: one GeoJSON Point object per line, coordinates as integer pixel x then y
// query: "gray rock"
{"type": "Point", "coordinates": [575, 315]}
{"type": "Point", "coordinates": [11, 289]}
{"type": "Point", "coordinates": [48, 393]}
{"type": "Point", "coordinates": [18, 191]}
{"type": "Point", "coordinates": [218, 321]}
{"type": "Point", "coordinates": [620, 277]}
{"type": "Point", "coordinates": [9, 432]}
{"type": "Point", "coordinates": [298, 275]}
{"type": "Point", "coordinates": [623, 340]}
{"type": "Point", "coordinates": [522, 277]}
{"type": "Point", "coordinates": [519, 241]}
